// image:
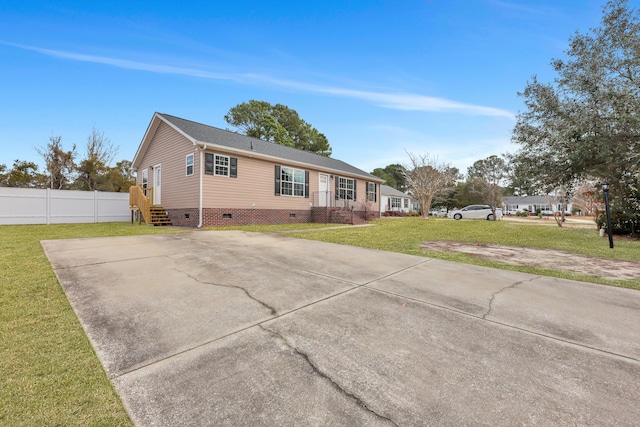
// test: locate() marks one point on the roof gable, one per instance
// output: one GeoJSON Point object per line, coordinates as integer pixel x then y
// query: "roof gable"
{"type": "Point", "coordinates": [212, 137]}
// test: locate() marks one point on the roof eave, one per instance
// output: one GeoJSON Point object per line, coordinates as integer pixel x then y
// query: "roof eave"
{"type": "Point", "coordinates": [253, 154]}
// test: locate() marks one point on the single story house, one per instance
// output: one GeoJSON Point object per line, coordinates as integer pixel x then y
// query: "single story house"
{"type": "Point", "coordinates": [547, 205]}
{"type": "Point", "coordinates": [196, 175]}
{"type": "Point", "coordinates": [393, 200]}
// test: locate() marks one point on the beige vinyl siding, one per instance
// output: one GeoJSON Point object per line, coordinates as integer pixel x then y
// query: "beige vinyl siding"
{"type": "Point", "coordinates": [255, 186]}
{"type": "Point", "coordinates": [169, 149]}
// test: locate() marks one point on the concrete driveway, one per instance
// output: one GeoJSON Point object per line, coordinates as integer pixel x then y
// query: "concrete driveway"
{"type": "Point", "coordinates": [234, 328]}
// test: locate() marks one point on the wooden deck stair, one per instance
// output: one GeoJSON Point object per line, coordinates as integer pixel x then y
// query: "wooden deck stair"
{"type": "Point", "coordinates": [158, 216]}
{"type": "Point", "coordinates": [140, 201]}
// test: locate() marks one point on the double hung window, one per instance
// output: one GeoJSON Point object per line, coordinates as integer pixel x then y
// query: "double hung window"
{"type": "Point", "coordinates": [221, 165]}
{"type": "Point", "coordinates": [292, 182]}
{"type": "Point", "coordinates": [217, 164]}
{"type": "Point", "coordinates": [189, 164]}
{"type": "Point", "coordinates": [372, 194]}
{"type": "Point", "coordinates": [346, 188]}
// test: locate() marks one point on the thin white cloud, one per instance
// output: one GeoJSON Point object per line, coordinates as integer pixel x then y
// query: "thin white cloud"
{"type": "Point", "coordinates": [396, 101]}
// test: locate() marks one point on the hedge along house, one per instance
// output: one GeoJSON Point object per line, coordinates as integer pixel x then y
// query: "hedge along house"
{"type": "Point", "coordinates": [204, 176]}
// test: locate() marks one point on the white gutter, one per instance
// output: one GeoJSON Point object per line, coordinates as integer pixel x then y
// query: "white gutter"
{"type": "Point", "coordinates": [201, 181]}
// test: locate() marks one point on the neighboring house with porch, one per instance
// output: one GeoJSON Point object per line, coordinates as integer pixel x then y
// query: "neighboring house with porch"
{"type": "Point", "coordinates": [199, 175]}
{"type": "Point", "coordinates": [392, 200]}
{"type": "Point", "coordinates": [547, 205]}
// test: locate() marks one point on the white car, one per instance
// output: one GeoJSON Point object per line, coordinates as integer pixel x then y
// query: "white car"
{"type": "Point", "coordinates": [475, 212]}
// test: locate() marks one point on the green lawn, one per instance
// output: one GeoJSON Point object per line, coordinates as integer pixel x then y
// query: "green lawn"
{"type": "Point", "coordinates": [49, 372]}
{"type": "Point", "coordinates": [405, 235]}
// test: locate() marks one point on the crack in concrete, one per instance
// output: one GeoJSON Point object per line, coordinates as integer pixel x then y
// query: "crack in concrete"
{"type": "Point", "coordinates": [513, 285]}
{"type": "Point", "coordinates": [272, 310]}
{"type": "Point", "coordinates": [317, 370]}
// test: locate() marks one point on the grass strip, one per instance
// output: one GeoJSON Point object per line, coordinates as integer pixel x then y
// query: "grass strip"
{"type": "Point", "coordinates": [50, 373]}
{"type": "Point", "coordinates": [405, 235]}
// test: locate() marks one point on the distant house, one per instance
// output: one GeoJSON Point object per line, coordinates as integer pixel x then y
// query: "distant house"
{"type": "Point", "coordinates": [200, 175]}
{"type": "Point", "coordinates": [392, 200]}
{"type": "Point", "coordinates": [546, 205]}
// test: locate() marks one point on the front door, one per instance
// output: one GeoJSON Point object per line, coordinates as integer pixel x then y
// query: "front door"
{"type": "Point", "coordinates": [157, 184]}
{"type": "Point", "coordinates": [323, 190]}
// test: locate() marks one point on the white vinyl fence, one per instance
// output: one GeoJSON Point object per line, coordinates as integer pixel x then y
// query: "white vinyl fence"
{"type": "Point", "coordinates": [46, 206]}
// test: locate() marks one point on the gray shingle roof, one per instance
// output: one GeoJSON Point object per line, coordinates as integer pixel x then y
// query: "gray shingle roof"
{"type": "Point", "coordinates": [386, 190]}
{"type": "Point", "coordinates": [212, 135]}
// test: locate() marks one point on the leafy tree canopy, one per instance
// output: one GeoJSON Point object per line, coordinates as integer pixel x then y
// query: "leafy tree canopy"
{"type": "Point", "coordinates": [485, 177]}
{"type": "Point", "coordinates": [278, 124]}
{"type": "Point", "coordinates": [59, 164]}
{"type": "Point", "coordinates": [24, 174]}
{"type": "Point", "coordinates": [394, 175]}
{"type": "Point", "coordinates": [586, 123]}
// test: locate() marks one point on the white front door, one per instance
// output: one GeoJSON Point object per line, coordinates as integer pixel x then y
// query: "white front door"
{"type": "Point", "coordinates": [157, 184]}
{"type": "Point", "coordinates": [323, 190]}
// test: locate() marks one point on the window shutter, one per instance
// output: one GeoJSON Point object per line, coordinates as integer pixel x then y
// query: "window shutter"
{"type": "Point", "coordinates": [277, 180]}
{"type": "Point", "coordinates": [306, 184]}
{"type": "Point", "coordinates": [355, 190]}
{"type": "Point", "coordinates": [233, 167]}
{"type": "Point", "coordinates": [375, 192]}
{"type": "Point", "coordinates": [337, 187]}
{"type": "Point", "coordinates": [208, 163]}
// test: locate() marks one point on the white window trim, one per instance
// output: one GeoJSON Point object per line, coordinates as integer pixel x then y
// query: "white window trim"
{"type": "Point", "coordinates": [145, 178]}
{"type": "Point", "coordinates": [192, 164]}
{"type": "Point", "coordinates": [293, 183]}
{"type": "Point", "coordinates": [345, 188]}
{"type": "Point", "coordinates": [215, 165]}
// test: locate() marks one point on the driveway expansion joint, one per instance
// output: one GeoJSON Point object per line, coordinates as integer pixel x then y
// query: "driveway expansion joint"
{"type": "Point", "coordinates": [325, 376]}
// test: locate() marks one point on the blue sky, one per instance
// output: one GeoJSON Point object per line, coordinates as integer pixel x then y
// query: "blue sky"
{"type": "Point", "coordinates": [378, 78]}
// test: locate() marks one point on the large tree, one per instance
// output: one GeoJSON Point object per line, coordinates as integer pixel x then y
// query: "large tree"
{"type": "Point", "coordinates": [394, 175]}
{"type": "Point", "coordinates": [24, 174]}
{"type": "Point", "coordinates": [428, 178]}
{"type": "Point", "coordinates": [4, 174]}
{"type": "Point", "coordinates": [119, 178]}
{"type": "Point", "coordinates": [93, 170]}
{"type": "Point", "coordinates": [278, 124]}
{"type": "Point", "coordinates": [463, 194]}
{"type": "Point", "coordinates": [59, 164]}
{"type": "Point", "coordinates": [586, 124]}
{"type": "Point", "coordinates": [486, 178]}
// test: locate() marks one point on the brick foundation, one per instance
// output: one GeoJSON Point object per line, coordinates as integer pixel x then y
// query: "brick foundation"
{"type": "Point", "coordinates": [183, 217]}
{"type": "Point", "coordinates": [216, 217]}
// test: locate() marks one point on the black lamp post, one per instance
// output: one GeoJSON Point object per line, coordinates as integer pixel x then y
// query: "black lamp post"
{"type": "Point", "coordinates": [605, 189]}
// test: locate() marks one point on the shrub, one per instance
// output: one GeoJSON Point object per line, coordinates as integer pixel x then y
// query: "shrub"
{"type": "Point", "coordinates": [621, 223]}
{"type": "Point", "coordinates": [524, 213]}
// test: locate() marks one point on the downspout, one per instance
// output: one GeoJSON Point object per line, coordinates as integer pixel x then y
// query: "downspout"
{"type": "Point", "coordinates": [200, 192]}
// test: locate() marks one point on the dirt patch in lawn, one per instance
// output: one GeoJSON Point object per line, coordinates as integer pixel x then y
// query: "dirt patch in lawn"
{"type": "Point", "coordinates": [544, 258]}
